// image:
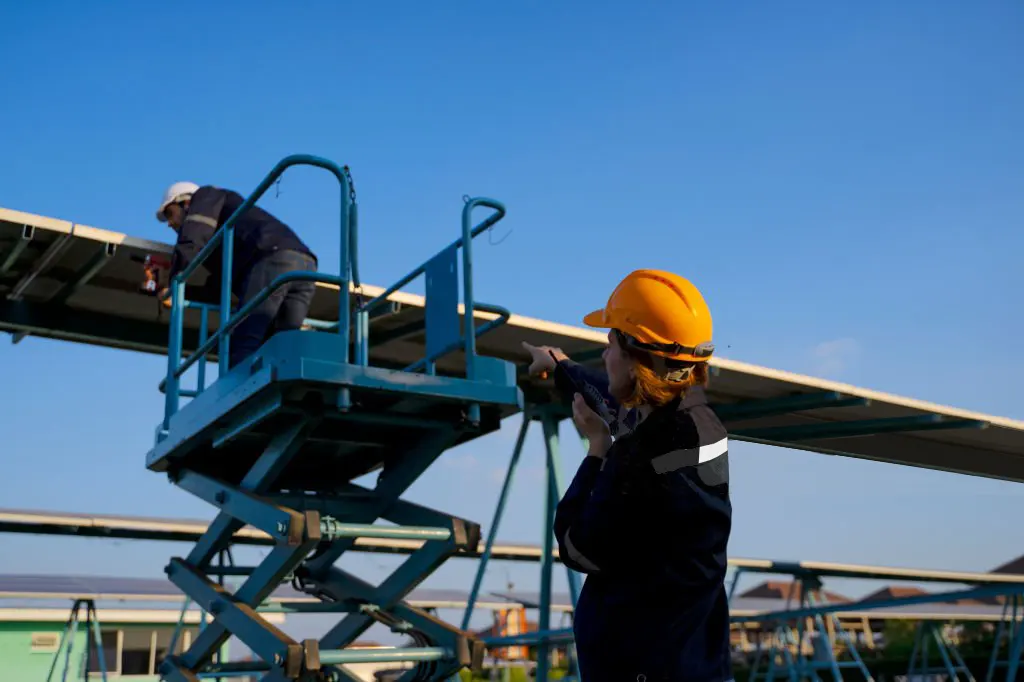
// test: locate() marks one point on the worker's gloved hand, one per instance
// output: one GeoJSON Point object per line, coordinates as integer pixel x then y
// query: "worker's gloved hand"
{"type": "Point", "coordinates": [541, 361]}
{"type": "Point", "coordinates": [591, 427]}
{"type": "Point", "coordinates": [164, 296]}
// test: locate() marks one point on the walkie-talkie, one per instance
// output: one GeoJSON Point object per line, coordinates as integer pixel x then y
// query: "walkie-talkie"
{"type": "Point", "coordinates": [565, 383]}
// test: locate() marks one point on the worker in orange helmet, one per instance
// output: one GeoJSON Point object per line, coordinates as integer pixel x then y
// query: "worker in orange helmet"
{"type": "Point", "coordinates": [647, 517]}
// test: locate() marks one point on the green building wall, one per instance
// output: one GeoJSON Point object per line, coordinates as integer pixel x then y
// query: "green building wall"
{"type": "Point", "coordinates": [22, 661]}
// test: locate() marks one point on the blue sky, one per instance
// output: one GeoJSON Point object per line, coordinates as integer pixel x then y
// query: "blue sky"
{"type": "Point", "coordinates": [843, 181]}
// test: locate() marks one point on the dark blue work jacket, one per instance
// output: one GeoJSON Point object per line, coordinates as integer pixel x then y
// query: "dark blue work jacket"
{"type": "Point", "coordinates": [649, 526]}
{"type": "Point", "coordinates": [257, 233]}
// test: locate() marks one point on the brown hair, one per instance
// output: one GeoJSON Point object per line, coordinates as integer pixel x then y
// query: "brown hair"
{"type": "Point", "coordinates": [651, 389]}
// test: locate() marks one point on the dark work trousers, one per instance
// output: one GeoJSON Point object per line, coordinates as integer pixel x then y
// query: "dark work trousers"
{"type": "Point", "coordinates": [283, 310]}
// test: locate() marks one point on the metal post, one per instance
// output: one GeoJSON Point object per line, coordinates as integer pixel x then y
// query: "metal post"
{"type": "Point", "coordinates": [496, 521]}
{"type": "Point", "coordinates": [550, 426]}
{"type": "Point", "coordinates": [66, 637]}
{"type": "Point", "coordinates": [1010, 630]}
{"type": "Point", "coordinates": [98, 641]}
{"type": "Point", "coordinates": [735, 581]}
{"type": "Point", "coordinates": [204, 330]}
{"type": "Point", "coordinates": [227, 246]}
{"type": "Point", "coordinates": [177, 293]}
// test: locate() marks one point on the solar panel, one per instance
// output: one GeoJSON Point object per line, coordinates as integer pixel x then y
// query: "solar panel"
{"type": "Point", "coordinates": [69, 281]}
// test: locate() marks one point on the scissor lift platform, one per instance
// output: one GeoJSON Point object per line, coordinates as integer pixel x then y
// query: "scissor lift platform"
{"type": "Point", "coordinates": [297, 374]}
{"type": "Point", "coordinates": [277, 441]}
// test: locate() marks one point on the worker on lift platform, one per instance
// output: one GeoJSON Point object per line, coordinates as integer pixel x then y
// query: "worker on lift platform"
{"type": "Point", "coordinates": [263, 249]}
{"type": "Point", "coordinates": [647, 517]}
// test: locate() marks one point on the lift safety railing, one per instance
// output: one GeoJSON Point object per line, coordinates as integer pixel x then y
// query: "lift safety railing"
{"type": "Point", "coordinates": [171, 385]}
{"type": "Point", "coordinates": [468, 340]}
{"type": "Point", "coordinates": [204, 330]}
{"type": "Point", "coordinates": [225, 237]}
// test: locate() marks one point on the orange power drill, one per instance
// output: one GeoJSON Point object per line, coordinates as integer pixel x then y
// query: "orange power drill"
{"type": "Point", "coordinates": [151, 267]}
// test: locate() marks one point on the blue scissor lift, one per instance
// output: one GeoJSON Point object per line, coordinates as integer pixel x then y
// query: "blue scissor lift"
{"type": "Point", "coordinates": [277, 441]}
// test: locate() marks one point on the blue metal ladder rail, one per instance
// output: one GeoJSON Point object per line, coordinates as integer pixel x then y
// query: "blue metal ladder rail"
{"type": "Point", "coordinates": [277, 441]}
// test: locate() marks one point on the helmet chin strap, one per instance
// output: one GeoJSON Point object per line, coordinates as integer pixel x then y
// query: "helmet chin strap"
{"type": "Point", "coordinates": [675, 371]}
{"type": "Point", "coordinates": [668, 372]}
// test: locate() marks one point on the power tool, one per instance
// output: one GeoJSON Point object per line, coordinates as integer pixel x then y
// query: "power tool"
{"type": "Point", "coordinates": [152, 265]}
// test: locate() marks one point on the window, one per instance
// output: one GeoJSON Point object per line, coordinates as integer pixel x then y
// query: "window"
{"type": "Point", "coordinates": [136, 647]}
{"type": "Point", "coordinates": [109, 640]}
{"type": "Point", "coordinates": [138, 650]}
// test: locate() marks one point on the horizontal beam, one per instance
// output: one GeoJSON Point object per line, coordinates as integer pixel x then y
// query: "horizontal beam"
{"type": "Point", "coordinates": [768, 407]}
{"type": "Point", "coordinates": [60, 322]}
{"type": "Point", "coordinates": [530, 638]}
{"type": "Point", "coordinates": [873, 604]}
{"type": "Point", "coordinates": [165, 530]}
{"type": "Point", "coordinates": [868, 427]}
{"type": "Point", "coordinates": [340, 657]}
{"type": "Point", "coordinates": [9, 258]}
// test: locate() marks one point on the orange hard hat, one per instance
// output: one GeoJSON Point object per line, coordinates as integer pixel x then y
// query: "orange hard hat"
{"type": "Point", "coordinates": [661, 313]}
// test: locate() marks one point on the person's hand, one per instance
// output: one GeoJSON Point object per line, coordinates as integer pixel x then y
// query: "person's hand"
{"type": "Point", "coordinates": [164, 296]}
{"type": "Point", "coordinates": [591, 427]}
{"type": "Point", "coordinates": [541, 360]}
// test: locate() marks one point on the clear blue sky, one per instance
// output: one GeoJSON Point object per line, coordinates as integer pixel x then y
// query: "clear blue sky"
{"type": "Point", "coordinates": [845, 181]}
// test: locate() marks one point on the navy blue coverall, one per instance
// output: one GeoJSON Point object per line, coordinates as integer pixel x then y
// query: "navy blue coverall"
{"type": "Point", "coordinates": [649, 526]}
{"type": "Point", "coordinates": [263, 248]}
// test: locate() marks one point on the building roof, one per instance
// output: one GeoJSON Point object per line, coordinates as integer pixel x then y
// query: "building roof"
{"type": "Point", "coordinates": [69, 281]}
{"type": "Point", "coordinates": [893, 592]}
{"type": "Point", "coordinates": [788, 591]}
{"type": "Point", "coordinates": [1014, 566]}
{"type": "Point", "coordinates": [119, 589]}
{"type": "Point", "coordinates": [116, 588]}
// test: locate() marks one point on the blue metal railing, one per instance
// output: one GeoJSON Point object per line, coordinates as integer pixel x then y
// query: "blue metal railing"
{"type": "Point", "coordinates": [225, 236]}
{"type": "Point", "coordinates": [204, 330]}
{"type": "Point", "coordinates": [171, 385]}
{"type": "Point", "coordinates": [468, 341]}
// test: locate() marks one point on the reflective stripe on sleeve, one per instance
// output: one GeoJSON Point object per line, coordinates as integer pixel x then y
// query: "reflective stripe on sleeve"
{"type": "Point", "coordinates": [575, 554]}
{"type": "Point", "coordinates": [205, 220]}
{"type": "Point", "coordinates": [677, 459]}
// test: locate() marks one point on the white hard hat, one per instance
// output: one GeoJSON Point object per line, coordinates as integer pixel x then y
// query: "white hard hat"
{"type": "Point", "coordinates": [174, 193]}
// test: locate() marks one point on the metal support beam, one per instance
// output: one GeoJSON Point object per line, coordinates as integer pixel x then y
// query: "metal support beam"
{"type": "Point", "coordinates": [870, 427]}
{"type": "Point", "coordinates": [93, 643]}
{"type": "Point", "coordinates": [394, 480]}
{"type": "Point", "coordinates": [550, 426]}
{"type": "Point", "coordinates": [755, 409]}
{"type": "Point", "coordinates": [259, 479]}
{"type": "Point", "coordinates": [953, 666]}
{"type": "Point", "coordinates": [80, 279]}
{"type": "Point", "coordinates": [821, 637]}
{"type": "Point", "coordinates": [554, 489]}
{"type": "Point", "coordinates": [233, 616]}
{"type": "Point", "coordinates": [27, 232]}
{"type": "Point", "coordinates": [499, 511]}
{"type": "Point", "coordinates": [53, 321]}
{"type": "Point", "coordinates": [50, 257]}
{"type": "Point", "coordinates": [1010, 632]}
{"type": "Point", "coordinates": [383, 604]}
{"type": "Point", "coordinates": [806, 611]}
